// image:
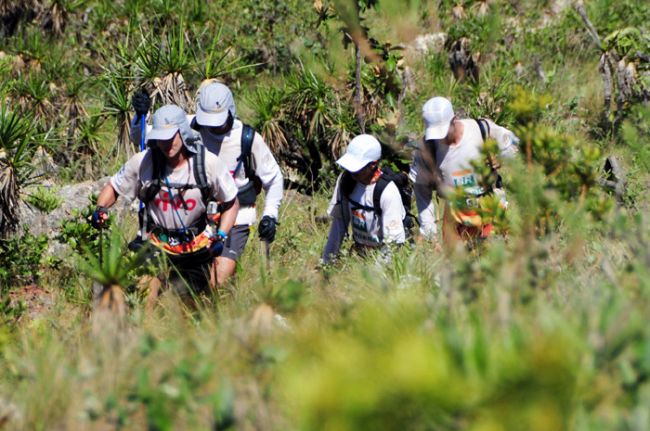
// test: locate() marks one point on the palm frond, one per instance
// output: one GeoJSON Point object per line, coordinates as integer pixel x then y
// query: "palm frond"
{"type": "Point", "coordinates": [16, 149]}
{"type": "Point", "coordinates": [269, 103]}
{"type": "Point", "coordinates": [118, 105]}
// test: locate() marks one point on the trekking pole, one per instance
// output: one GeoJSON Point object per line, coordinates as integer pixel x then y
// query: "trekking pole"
{"type": "Point", "coordinates": [266, 255]}
{"type": "Point", "coordinates": [267, 252]}
{"type": "Point", "coordinates": [143, 130]}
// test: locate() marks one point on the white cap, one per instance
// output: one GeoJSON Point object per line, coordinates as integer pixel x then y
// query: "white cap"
{"type": "Point", "coordinates": [362, 150]}
{"type": "Point", "coordinates": [215, 101]}
{"type": "Point", "coordinates": [437, 114]}
{"type": "Point", "coordinates": [168, 120]}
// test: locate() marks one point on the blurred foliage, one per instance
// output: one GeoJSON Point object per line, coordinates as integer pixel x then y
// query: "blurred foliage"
{"type": "Point", "coordinates": [385, 371]}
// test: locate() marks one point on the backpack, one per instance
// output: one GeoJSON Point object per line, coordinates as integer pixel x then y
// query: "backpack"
{"type": "Point", "coordinates": [247, 194]}
{"type": "Point", "coordinates": [388, 176]}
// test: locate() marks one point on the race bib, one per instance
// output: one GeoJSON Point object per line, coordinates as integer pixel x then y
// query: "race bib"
{"type": "Point", "coordinates": [360, 229]}
{"type": "Point", "coordinates": [466, 180]}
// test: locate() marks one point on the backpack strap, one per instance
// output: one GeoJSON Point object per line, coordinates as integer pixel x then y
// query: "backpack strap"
{"type": "Point", "coordinates": [346, 185]}
{"type": "Point", "coordinates": [380, 186]}
{"type": "Point", "coordinates": [158, 166]}
{"type": "Point", "coordinates": [484, 126]}
{"type": "Point", "coordinates": [200, 175]}
{"type": "Point", "coordinates": [244, 159]}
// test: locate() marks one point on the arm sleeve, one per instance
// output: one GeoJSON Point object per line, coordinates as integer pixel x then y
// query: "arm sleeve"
{"type": "Point", "coordinates": [423, 187]}
{"type": "Point", "coordinates": [127, 180]}
{"type": "Point", "coordinates": [338, 229]}
{"type": "Point", "coordinates": [508, 141]}
{"type": "Point", "coordinates": [334, 239]}
{"type": "Point", "coordinates": [392, 213]}
{"type": "Point", "coordinates": [426, 210]}
{"type": "Point", "coordinates": [268, 170]}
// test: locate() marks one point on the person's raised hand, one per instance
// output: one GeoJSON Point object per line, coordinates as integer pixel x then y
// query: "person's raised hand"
{"type": "Point", "coordinates": [141, 102]}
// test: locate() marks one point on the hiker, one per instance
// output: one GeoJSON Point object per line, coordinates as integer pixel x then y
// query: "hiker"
{"type": "Point", "coordinates": [364, 198]}
{"type": "Point", "coordinates": [250, 163]}
{"type": "Point", "coordinates": [247, 157]}
{"type": "Point", "coordinates": [177, 180]}
{"type": "Point", "coordinates": [443, 162]}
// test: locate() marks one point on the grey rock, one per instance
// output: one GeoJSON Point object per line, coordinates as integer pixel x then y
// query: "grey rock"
{"type": "Point", "coordinates": [74, 197]}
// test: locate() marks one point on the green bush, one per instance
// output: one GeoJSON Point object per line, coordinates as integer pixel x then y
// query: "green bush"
{"type": "Point", "coordinates": [44, 199]}
{"type": "Point", "coordinates": [21, 258]}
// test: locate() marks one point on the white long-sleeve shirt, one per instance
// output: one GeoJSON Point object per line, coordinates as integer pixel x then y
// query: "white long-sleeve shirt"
{"type": "Point", "coordinates": [454, 163]}
{"type": "Point", "coordinates": [228, 148]}
{"type": "Point", "coordinates": [368, 228]}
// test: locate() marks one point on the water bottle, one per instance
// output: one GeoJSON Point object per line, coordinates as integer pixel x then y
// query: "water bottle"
{"type": "Point", "coordinates": [212, 212]}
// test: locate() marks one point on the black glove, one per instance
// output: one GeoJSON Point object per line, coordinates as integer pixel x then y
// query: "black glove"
{"type": "Point", "coordinates": [99, 218]}
{"type": "Point", "coordinates": [266, 229]}
{"type": "Point", "coordinates": [141, 102]}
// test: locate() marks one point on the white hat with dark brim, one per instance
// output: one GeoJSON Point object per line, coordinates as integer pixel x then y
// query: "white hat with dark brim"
{"type": "Point", "coordinates": [437, 114]}
{"type": "Point", "coordinates": [362, 150]}
{"type": "Point", "coordinates": [167, 121]}
{"type": "Point", "coordinates": [215, 101]}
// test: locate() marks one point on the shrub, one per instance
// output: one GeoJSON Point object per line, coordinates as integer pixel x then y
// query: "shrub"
{"type": "Point", "coordinates": [20, 258]}
{"type": "Point", "coordinates": [44, 199]}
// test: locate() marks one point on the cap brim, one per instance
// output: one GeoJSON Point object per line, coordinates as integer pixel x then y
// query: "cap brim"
{"type": "Point", "coordinates": [436, 132]}
{"type": "Point", "coordinates": [161, 134]}
{"type": "Point", "coordinates": [351, 163]}
{"type": "Point", "coordinates": [211, 119]}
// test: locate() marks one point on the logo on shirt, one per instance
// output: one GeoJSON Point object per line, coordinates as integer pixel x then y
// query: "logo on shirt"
{"type": "Point", "coordinates": [165, 203]}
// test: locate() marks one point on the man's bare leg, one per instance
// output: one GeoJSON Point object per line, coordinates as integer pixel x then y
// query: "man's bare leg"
{"type": "Point", "coordinates": [225, 269]}
{"type": "Point", "coordinates": [152, 286]}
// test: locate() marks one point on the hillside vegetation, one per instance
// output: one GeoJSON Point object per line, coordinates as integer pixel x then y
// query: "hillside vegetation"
{"type": "Point", "coordinates": [544, 327]}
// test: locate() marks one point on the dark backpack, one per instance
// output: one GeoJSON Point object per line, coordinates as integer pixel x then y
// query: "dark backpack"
{"type": "Point", "coordinates": [247, 194]}
{"type": "Point", "coordinates": [403, 184]}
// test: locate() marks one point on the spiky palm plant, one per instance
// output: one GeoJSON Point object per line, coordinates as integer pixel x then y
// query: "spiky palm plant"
{"type": "Point", "coordinates": [32, 49]}
{"type": "Point", "coordinates": [73, 107]}
{"type": "Point", "coordinates": [315, 116]}
{"type": "Point", "coordinates": [269, 103]}
{"type": "Point", "coordinates": [175, 62]}
{"type": "Point", "coordinates": [88, 136]}
{"type": "Point", "coordinates": [344, 126]}
{"type": "Point", "coordinates": [111, 269]}
{"type": "Point", "coordinates": [309, 101]}
{"type": "Point", "coordinates": [117, 105]}
{"type": "Point", "coordinates": [55, 17]}
{"type": "Point", "coordinates": [219, 61]}
{"type": "Point", "coordinates": [84, 148]}
{"type": "Point", "coordinates": [148, 63]}
{"type": "Point", "coordinates": [16, 150]}
{"type": "Point", "coordinates": [33, 95]}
